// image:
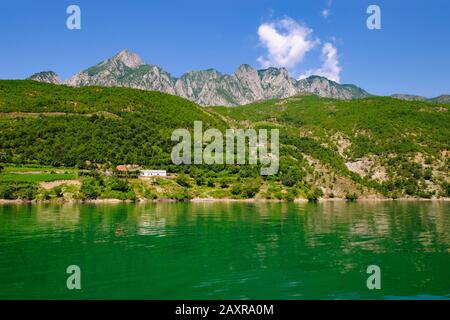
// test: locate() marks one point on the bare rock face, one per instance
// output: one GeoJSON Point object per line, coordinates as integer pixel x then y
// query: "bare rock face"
{"type": "Point", "coordinates": [109, 72]}
{"type": "Point", "coordinates": [277, 83]}
{"type": "Point", "coordinates": [46, 76]}
{"type": "Point", "coordinates": [207, 87]}
{"type": "Point", "coordinates": [129, 59]}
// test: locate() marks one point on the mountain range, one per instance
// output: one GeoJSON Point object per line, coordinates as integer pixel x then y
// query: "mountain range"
{"type": "Point", "coordinates": [210, 87]}
{"type": "Point", "coordinates": [205, 87]}
{"type": "Point", "coordinates": [445, 98]}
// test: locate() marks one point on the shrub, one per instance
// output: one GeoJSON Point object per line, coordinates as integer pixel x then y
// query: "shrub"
{"type": "Point", "coordinates": [236, 189]}
{"type": "Point", "coordinates": [116, 184]}
{"type": "Point", "coordinates": [411, 187]}
{"type": "Point", "coordinates": [200, 180]}
{"type": "Point", "coordinates": [278, 195]}
{"type": "Point", "coordinates": [90, 188]}
{"type": "Point", "coordinates": [428, 174]}
{"type": "Point", "coordinates": [224, 184]}
{"type": "Point", "coordinates": [291, 194]}
{"type": "Point", "coordinates": [183, 195]}
{"type": "Point", "coordinates": [351, 196]}
{"type": "Point", "coordinates": [425, 194]}
{"type": "Point", "coordinates": [183, 180]}
{"type": "Point", "coordinates": [314, 194]}
{"type": "Point", "coordinates": [6, 192]}
{"type": "Point", "coordinates": [250, 188]}
{"type": "Point", "coordinates": [58, 192]}
{"type": "Point", "coordinates": [18, 190]}
{"type": "Point", "coordinates": [445, 189]}
{"type": "Point", "coordinates": [291, 177]}
{"type": "Point", "coordinates": [149, 194]}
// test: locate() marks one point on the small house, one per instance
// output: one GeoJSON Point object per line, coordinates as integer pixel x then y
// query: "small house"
{"type": "Point", "coordinates": [153, 173]}
{"type": "Point", "coordinates": [127, 171]}
{"type": "Point", "coordinates": [122, 168]}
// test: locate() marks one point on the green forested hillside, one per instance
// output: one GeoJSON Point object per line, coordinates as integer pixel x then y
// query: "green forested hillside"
{"type": "Point", "coordinates": [329, 148]}
{"type": "Point", "coordinates": [396, 147]}
{"type": "Point", "coordinates": [63, 126]}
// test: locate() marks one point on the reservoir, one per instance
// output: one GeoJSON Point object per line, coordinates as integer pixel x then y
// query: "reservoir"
{"type": "Point", "coordinates": [226, 250]}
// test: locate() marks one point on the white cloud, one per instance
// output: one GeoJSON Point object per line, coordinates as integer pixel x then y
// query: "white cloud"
{"type": "Point", "coordinates": [327, 11]}
{"type": "Point", "coordinates": [286, 41]}
{"type": "Point", "coordinates": [330, 67]}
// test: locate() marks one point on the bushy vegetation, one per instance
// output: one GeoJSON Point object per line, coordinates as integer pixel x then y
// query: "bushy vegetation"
{"type": "Point", "coordinates": [62, 126]}
{"type": "Point", "coordinates": [18, 190]}
{"type": "Point", "coordinates": [106, 188]}
{"type": "Point", "coordinates": [92, 127]}
{"type": "Point", "coordinates": [393, 131]}
{"type": "Point", "coordinates": [37, 177]}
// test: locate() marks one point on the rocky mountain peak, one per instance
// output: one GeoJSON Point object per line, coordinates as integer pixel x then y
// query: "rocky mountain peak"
{"type": "Point", "coordinates": [130, 59]}
{"type": "Point", "coordinates": [206, 87]}
{"type": "Point", "coordinates": [245, 68]}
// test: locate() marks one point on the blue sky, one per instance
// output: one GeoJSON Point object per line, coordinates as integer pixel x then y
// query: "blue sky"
{"type": "Point", "coordinates": [410, 54]}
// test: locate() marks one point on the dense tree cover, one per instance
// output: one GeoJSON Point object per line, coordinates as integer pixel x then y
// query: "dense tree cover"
{"type": "Point", "coordinates": [18, 190]}
{"type": "Point", "coordinates": [91, 126]}
{"type": "Point", "coordinates": [392, 130]}
{"type": "Point", "coordinates": [96, 186]}
{"type": "Point", "coordinates": [100, 125]}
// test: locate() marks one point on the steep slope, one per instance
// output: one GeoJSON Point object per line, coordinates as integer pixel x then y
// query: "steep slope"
{"type": "Point", "coordinates": [209, 87]}
{"type": "Point", "coordinates": [332, 148]}
{"type": "Point", "coordinates": [60, 125]}
{"type": "Point", "coordinates": [323, 87]}
{"type": "Point", "coordinates": [398, 148]}
{"type": "Point", "coordinates": [445, 98]}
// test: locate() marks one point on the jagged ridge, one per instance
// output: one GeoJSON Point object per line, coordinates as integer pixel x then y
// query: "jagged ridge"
{"type": "Point", "coordinates": [209, 87]}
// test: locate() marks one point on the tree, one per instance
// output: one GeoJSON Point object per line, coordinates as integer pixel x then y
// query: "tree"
{"type": "Point", "coordinates": [351, 196]}
{"type": "Point", "coordinates": [428, 174]}
{"type": "Point", "coordinates": [183, 180]}
{"type": "Point", "coordinates": [116, 184]}
{"type": "Point", "coordinates": [291, 176]}
{"type": "Point", "coordinates": [211, 183]}
{"type": "Point", "coordinates": [236, 189]}
{"type": "Point", "coordinates": [89, 188]}
{"type": "Point", "coordinates": [251, 187]}
{"type": "Point", "coordinates": [200, 180]}
{"type": "Point", "coordinates": [314, 194]}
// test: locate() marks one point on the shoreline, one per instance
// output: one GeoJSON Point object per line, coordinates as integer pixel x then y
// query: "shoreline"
{"type": "Point", "coordinates": [211, 200]}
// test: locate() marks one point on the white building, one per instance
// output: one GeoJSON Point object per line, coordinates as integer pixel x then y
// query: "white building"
{"type": "Point", "coordinates": [153, 173]}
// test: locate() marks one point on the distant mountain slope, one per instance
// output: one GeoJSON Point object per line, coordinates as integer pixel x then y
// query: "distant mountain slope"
{"type": "Point", "coordinates": [46, 77]}
{"type": "Point", "coordinates": [441, 99]}
{"type": "Point", "coordinates": [209, 87]}
{"type": "Point", "coordinates": [410, 97]}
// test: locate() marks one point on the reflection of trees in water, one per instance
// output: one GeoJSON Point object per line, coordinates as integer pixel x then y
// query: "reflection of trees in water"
{"type": "Point", "coordinates": [375, 226]}
{"type": "Point", "coordinates": [379, 226]}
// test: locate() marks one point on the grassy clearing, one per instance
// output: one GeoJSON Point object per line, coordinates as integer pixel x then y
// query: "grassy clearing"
{"type": "Point", "coordinates": [36, 168]}
{"type": "Point", "coordinates": [38, 177]}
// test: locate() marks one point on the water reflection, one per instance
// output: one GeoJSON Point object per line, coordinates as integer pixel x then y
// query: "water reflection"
{"type": "Point", "coordinates": [228, 250]}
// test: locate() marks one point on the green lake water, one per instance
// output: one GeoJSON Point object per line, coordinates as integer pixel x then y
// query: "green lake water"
{"type": "Point", "coordinates": [226, 250]}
